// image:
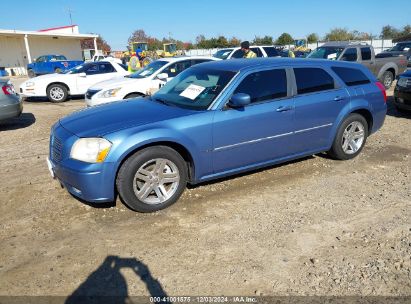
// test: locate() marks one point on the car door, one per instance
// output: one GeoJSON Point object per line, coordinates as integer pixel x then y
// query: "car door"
{"type": "Point", "coordinates": [260, 131]}
{"type": "Point", "coordinates": [367, 58]}
{"type": "Point", "coordinates": [172, 70]}
{"type": "Point", "coordinates": [95, 72]}
{"type": "Point", "coordinates": [41, 65]}
{"type": "Point", "coordinates": [318, 101]}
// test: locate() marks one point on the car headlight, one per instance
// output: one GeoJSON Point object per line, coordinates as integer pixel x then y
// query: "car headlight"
{"type": "Point", "coordinates": [90, 150]}
{"type": "Point", "coordinates": [109, 93]}
{"type": "Point", "coordinates": [402, 82]}
{"type": "Point", "coordinates": [29, 84]}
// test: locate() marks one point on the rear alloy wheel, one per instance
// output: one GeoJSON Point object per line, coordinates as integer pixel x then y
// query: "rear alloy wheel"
{"type": "Point", "coordinates": [387, 79]}
{"type": "Point", "coordinates": [350, 138]}
{"type": "Point", "coordinates": [57, 93]}
{"type": "Point", "coordinates": [152, 179]}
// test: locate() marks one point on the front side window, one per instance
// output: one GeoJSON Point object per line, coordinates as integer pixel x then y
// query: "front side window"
{"type": "Point", "coordinates": [149, 69]}
{"type": "Point", "coordinates": [311, 80]}
{"type": "Point", "coordinates": [223, 54]}
{"type": "Point", "coordinates": [195, 88]}
{"type": "Point", "coordinates": [350, 55]}
{"type": "Point", "coordinates": [91, 69]}
{"type": "Point", "coordinates": [106, 68]}
{"type": "Point", "coordinates": [238, 54]}
{"type": "Point", "coordinates": [264, 85]}
{"type": "Point", "coordinates": [41, 59]}
{"type": "Point", "coordinates": [176, 68]}
{"type": "Point", "coordinates": [257, 51]}
{"type": "Point", "coordinates": [351, 77]}
{"type": "Point", "coordinates": [366, 53]}
{"type": "Point", "coordinates": [402, 47]}
{"type": "Point", "coordinates": [271, 52]}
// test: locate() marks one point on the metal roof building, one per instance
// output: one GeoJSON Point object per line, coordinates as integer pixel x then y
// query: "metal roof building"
{"type": "Point", "coordinates": [18, 48]}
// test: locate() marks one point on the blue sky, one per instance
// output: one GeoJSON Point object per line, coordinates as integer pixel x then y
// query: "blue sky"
{"type": "Point", "coordinates": [185, 19]}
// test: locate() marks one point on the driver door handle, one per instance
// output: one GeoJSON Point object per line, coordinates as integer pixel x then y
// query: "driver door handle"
{"type": "Point", "coordinates": [338, 98]}
{"type": "Point", "coordinates": [284, 108]}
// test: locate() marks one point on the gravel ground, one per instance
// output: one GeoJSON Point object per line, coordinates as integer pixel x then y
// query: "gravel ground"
{"type": "Point", "coordinates": [310, 227]}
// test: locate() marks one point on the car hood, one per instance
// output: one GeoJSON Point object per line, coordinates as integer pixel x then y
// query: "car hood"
{"type": "Point", "coordinates": [108, 118]}
{"type": "Point", "coordinates": [48, 77]}
{"type": "Point", "coordinates": [115, 82]}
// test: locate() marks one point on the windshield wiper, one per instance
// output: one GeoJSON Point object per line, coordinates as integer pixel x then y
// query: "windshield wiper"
{"type": "Point", "coordinates": [163, 101]}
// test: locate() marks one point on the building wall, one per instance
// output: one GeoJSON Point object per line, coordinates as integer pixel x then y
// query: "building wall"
{"type": "Point", "coordinates": [70, 48]}
{"type": "Point", "coordinates": [13, 54]}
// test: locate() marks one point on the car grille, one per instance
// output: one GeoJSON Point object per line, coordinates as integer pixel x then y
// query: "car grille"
{"type": "Point", "coordinates": [56, 149]}
{"type": "Point", "coordinates": [91, 93]}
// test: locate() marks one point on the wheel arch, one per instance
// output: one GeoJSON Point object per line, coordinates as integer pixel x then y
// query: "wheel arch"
{"type": "Point", "coordinates": [134, 93]}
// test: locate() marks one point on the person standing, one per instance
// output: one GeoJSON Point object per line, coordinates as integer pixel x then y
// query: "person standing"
{"type": "Point", "coordinates": [245, 47]}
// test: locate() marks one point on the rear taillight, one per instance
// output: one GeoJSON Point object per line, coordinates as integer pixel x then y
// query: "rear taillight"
{"type": "Point", "coordinates": [382, 89]}
{"type": "Point", "coordinates": [8, 89]}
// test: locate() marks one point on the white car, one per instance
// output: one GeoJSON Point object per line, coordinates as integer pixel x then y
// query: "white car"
{"type": "Point", "coordinates": [58, 87]}
{"type": "Point", "coordinates": [142, 82]}
{"type": "Point", "coordinates": [260, 51]}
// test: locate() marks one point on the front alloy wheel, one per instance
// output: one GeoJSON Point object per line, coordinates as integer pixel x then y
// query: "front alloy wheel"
{"type": "Point", "coordinates": [152, 179]}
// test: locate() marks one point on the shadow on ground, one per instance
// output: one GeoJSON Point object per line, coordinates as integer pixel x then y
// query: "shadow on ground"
{"type": "Point", "coordinates": [23, 121]}
{"type": "Point", "coordinates": [107, 285]}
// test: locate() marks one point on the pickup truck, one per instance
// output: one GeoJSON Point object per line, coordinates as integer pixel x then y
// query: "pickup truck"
{"type": "Point", "coordinates": [401, 48]}
{"type": "Point", "coordinates": [48, 64]}
{"type": "Point", "coordinates": [385, 69]}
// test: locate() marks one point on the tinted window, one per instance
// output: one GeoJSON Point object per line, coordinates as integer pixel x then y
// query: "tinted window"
{"type": "Point", "coordinates": [351, 77]}
{"type": "Point", "coordinates": [257, 51]}
{"type": "Point", "coordinates": [91, 69]}
{"type": "Point", "coordinates": [176, 68]}
{"type": "Point", "coordinates": [238, 54]}
{"type": "Point", "coordinates": [106, 68]}
{"type": "Point", "coordinates": [197, 61]}
{"type": "Point", "coordinates": [350, 55]}
{"type": "Point", "coordinates": [366, 53]}
{"type": "Point", "coordinates": [271, 52]}
{"type": "Point", "coordinates": [264, 85]}
{"type": "Point", "coordinates": [313, 80]}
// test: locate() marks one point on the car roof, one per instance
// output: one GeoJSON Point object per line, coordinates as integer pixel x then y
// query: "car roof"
{"type": "Point", "coordinates": [344, 44]}
{"type": "Point", "coordinates": [236, 65]}
{"type": "Point", "coordinates": [181, 58]}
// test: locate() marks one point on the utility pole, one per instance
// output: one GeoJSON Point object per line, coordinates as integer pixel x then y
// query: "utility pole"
{"type": "Point", "coordinates": [69, 10]}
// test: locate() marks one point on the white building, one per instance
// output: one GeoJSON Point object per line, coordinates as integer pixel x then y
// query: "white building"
{"type": "Point", "coordinates": [18, 48]}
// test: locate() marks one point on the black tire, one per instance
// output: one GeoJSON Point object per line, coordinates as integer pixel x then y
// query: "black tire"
{"type": "Point", "coordinates": [387, 79]}
{"type": "Point", "coordinates": [59, 88]}
{"type": "Point", "coordinates": [31, 73]}
{"type": "Point", "coordinates": [126, 176]}
{"type": "Point", "coordinates": [57, 70]}
{"type": "Point", "coordinates": [133, 95]}
{"type": "Point", "coordinates": [337, 150]}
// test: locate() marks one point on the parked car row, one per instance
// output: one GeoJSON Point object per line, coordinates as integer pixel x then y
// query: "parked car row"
{"type": "Point", "coordinates": [212, 120]}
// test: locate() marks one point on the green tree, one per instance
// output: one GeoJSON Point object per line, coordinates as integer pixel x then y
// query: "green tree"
{"type": "Point", "coordinates": [389, 32]}
{"type": "Point", "coordinates": [312, 38]}
{"type": "Point", "coordinates": [284, 39]}
{"type": "Point", "coordinates": [339, 34]}
{"type": "Point", "coordinates": [266, 40]}
{"type": "Point", "coordinates": [234, 42]}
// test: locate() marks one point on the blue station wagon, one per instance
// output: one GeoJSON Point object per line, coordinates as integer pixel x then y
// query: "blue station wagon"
{"type": "Point", "coordinates": [214, 120]}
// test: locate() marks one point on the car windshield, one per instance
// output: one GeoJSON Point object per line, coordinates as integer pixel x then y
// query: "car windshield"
{"type": "Point", "coordinates": [149, 69]}
{"type": "Point", "coordinates": [195, 89]}
{"type": "Point", "coordinates": [400, 47]}
{"type": "Point", "coordinates": [326, 52]}
{"type": "Point", "coordinates": [223, 54]}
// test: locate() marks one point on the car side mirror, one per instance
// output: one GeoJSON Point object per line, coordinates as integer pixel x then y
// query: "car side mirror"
{"type": "Point", "coordinates": [82, 74]}
{"type": "Point", "coordinates": [162, 76]}
{"type": "Point", "coordinates": [239, 100]}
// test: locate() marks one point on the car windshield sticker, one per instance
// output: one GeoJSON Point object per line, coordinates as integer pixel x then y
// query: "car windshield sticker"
{"type": "Point", "coordinates": [332, 56]}
{"type": "Point", "coordinates": [192, 91]}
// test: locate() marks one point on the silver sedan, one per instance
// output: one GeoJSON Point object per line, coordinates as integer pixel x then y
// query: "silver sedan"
{"type": "Point", "coordinates": [10, 104]}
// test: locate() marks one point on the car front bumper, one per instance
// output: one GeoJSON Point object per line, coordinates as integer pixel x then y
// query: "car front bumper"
{"type": "Point", "coordinates": [92, 182]}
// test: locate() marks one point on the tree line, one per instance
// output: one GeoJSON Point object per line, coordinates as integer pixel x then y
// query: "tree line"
{"type": "Point", "coordinates": [202, 42]}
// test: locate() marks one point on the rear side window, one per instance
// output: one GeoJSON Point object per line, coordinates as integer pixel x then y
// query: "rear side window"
{"type": "Point", "coordinates": [311, 80]}
{"type": "Point", "coordinates": [366, 53]}
{"type": "Point", "coordinates": [106, 68]}
{"type": "Point", "coordinates": [271, 52]}
{"type": "Point", "coordinates": [264, 85]}
{"type": "Point", "coordinates": [238, 54]}
{"type": "Point", "coordinates": [351, 77]}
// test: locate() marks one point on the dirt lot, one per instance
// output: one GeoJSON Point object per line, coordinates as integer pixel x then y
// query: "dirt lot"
{"type": "Point", "coordinates": [310, 227]}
